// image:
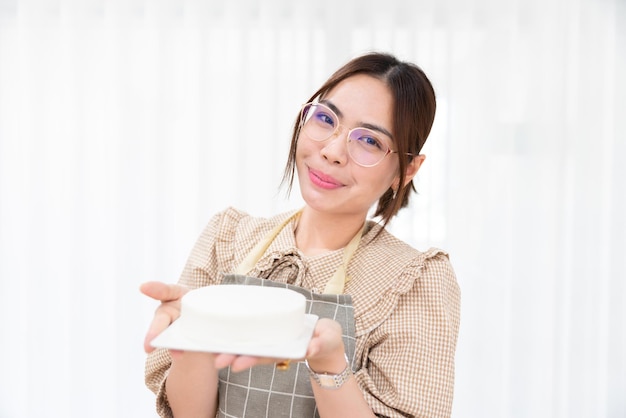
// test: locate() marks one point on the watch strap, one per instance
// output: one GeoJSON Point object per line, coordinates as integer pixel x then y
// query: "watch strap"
{"type": "Point", "coordinates": [328, 380]}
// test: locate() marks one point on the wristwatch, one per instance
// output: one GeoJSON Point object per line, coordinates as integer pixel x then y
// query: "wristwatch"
{"type": "Point", "coordinates": [331, 381]}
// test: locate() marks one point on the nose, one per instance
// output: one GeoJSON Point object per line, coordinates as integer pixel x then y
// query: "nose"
{"type": "Point", "coordinates": [335, 148]}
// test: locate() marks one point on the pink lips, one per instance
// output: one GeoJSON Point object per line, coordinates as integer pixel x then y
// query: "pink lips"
{"type": "Point", "coordinates": [322, 180]}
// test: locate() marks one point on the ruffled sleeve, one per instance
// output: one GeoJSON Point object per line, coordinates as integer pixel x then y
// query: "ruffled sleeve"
{"type": "Point", "coordinates": [408, 344]}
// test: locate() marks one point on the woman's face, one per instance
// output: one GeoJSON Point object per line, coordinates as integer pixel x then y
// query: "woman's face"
{"type": "Point", "coordinates": [330, 181]}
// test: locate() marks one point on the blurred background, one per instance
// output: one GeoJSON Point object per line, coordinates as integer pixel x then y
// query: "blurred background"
{"type": "Point", "coordinates": [125, 125]}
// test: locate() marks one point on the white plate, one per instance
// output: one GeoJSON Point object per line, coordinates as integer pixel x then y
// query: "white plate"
{"type": "Point", "coordinates": [174, 339]}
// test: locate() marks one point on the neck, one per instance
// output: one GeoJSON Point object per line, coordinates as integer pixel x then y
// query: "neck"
{"type": "Point", "coordinates": [317, 232]}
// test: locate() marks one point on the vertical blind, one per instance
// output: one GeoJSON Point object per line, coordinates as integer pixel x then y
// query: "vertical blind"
{"type": "Point", "coordinates": [125, 125]}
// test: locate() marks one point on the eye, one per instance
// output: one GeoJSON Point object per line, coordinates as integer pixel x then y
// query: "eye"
{"type": "Point", "coordinates": [369, 141]}
{"type": "Point", "coordinates": [324, 118]}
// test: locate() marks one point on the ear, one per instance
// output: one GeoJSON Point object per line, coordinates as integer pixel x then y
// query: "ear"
{"type": "Point", "coordinates": [411, 171]}
{"type": "Point", "coordinates": [413, 167]}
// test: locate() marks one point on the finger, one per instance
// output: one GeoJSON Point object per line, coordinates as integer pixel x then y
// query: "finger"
{"type": "Point", "coordinates": [175, 354]}
{"type": "Point", "coordinates": [238, 363]}
{"type": "Point", "coordinates": [163, 317]}
{"type": "Point", "coordinates": [314, 348]}
{"type": "Point", "coordinates": [163, 291]}
{"type": "Point", "coordinates": [224, 360]}
{"type": "Point", "coordinates": [246, 362]}
{"type": "Point", "coordinates": [327, 337]}
{"type": "Point", "coordinates": [318, 337]}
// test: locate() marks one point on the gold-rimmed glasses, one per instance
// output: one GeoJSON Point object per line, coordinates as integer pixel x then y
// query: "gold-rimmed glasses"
{"type": "Point", "coordinates": [367, 147]}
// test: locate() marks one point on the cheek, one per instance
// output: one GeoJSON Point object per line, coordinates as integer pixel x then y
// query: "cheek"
{"type": "Point", "coordinates": [302, 151]}
{"type": "Point", "coordinates": [305, 148]}
{"type": "Point", "coordinates": [298, 154]}
{"type": "Point", "coordinates": [382, 179]}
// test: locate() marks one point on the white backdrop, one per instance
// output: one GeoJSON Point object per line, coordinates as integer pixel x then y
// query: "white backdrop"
{"type": "Point", "coordinates": [125, 125]}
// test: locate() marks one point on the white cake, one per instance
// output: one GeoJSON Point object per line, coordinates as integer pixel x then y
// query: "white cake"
{"type": "Point", "coordinates": [242, 315]}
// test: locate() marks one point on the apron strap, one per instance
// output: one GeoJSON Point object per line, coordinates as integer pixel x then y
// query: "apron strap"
{"type": "Point", "coordinates": [257, 252]}
{"type": "Point", "coordinates": [337, 283]}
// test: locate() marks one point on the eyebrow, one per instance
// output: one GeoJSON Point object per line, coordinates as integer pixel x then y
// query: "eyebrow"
{"type": "Point", "coordinates": [371, 126]}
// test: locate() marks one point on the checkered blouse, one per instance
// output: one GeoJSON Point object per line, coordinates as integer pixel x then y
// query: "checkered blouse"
{"type": "Point", "coordinates": [406, 308]}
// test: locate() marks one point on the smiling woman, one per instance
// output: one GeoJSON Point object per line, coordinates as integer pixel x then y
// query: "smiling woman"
{"type": "Point", "coordinates": [389, 313]}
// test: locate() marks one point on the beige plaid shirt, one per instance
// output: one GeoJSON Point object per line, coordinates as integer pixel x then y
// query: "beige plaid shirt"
{"type": "Point", "coordinates": [406, 308]}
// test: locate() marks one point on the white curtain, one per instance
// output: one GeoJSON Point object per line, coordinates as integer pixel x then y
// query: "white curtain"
{"type": "Point", "coordinates": [125, 125]}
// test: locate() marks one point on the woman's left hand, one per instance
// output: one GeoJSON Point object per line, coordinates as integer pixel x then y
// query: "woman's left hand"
{"type": "Point", "coordinates": [324, 350]}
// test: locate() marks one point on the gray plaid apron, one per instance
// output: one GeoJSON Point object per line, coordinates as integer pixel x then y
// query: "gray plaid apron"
{"type": "Point", "coordinates": [264, 391]}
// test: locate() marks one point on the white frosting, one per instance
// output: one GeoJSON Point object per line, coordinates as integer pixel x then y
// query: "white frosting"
{"type": "Point", "coordinates": [242, 315]}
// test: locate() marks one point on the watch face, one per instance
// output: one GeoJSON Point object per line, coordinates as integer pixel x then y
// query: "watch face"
{"type": "Point", "coordinates": [327, 380]}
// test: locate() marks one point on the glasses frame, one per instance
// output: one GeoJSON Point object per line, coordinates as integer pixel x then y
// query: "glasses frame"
{"type": "Point", "coordinates": [348, 140]}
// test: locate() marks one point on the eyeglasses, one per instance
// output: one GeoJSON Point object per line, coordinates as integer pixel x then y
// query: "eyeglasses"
{"type": "Point", "coordinates": [365, 146]}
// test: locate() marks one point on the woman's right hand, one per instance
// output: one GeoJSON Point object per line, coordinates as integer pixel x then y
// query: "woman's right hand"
{"type": "Point", "coordinates": [168, 311]}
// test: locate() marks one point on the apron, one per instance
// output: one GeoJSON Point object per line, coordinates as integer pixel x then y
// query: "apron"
{"type": "Point", "coordinates": [264, 391]}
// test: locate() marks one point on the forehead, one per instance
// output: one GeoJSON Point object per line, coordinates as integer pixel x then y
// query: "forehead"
{"type": "Point", "coordinates": [362, 99]}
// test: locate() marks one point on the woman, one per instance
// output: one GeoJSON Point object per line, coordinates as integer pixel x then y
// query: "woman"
{"type": "Point", "coordinates": [388, 343]}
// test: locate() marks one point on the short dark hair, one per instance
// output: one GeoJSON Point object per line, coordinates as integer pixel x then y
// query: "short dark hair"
{"type": "Point", "coordinates": [413, 116]}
